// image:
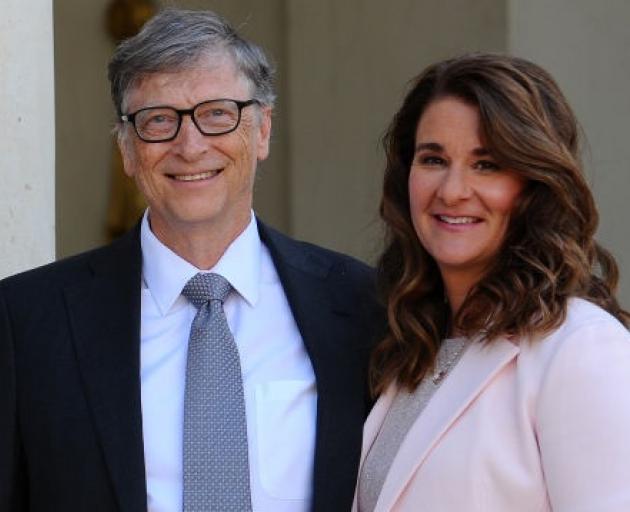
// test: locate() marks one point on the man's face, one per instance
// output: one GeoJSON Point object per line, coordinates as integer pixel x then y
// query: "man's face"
{"type": "Point", "coordinates": [196, 183]}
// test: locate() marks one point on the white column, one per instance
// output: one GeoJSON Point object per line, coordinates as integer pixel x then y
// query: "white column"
{"type": "Point", "coordinates": [584, 45]}
{"type": "Point", "coordinates": [27, 135]}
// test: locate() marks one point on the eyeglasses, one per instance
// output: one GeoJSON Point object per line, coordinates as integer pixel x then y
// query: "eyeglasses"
{"type": "Point", "coordinates": [162, 124]}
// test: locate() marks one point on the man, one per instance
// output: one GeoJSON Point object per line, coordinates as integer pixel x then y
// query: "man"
{"type": "Point", "coordinates": [105, 404]}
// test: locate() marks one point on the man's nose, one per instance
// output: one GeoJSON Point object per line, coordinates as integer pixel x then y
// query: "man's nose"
{"type": "Point", "coordinates": [455, 185]}
{"type": "Point", "coordinates": [190, 143]}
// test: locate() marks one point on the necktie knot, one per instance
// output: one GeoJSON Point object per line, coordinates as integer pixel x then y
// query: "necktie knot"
{"type": "Point", "coordinates": [205, 287]}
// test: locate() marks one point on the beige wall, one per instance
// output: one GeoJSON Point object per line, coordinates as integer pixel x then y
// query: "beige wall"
{"type": "Point", "coordinates": [585, 45]}
{"type": "Point", "coordinates": [27, 136]}
{"type": "Point", "coordinates": [348, 65]}
{"type": "Point", "coordinates": [84, 119]}
{"type": "Point", "coordinates": [342, 70]}
{"type": "Point", "coordinates": [343, 54]}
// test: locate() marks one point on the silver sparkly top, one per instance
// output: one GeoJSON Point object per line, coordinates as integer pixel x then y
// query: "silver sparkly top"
{"type": "Point", "coordinates": [405, 409]}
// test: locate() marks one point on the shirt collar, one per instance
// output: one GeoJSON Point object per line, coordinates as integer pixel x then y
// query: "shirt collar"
{"type": "Point", "coordinates": [165, 273]}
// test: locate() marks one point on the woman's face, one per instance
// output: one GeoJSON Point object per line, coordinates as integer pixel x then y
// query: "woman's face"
{"type": "Point", "coordinates": [460, 198]}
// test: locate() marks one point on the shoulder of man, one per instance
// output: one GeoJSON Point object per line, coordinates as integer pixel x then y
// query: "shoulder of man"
{"type": "Point", "coordinates": [351, 283]}
{"type": "Point", "coordinates": [115, 257]}
{"type": "Point", "coordinates": [314, 258]}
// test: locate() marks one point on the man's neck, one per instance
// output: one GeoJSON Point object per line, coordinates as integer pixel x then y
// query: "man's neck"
{"type": "Point", "coordinates": [203, 244]}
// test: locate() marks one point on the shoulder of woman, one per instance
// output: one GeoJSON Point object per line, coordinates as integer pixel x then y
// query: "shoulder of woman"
{"type": "Point", "coordinates": [590, 343]}
{"type": "Point", "coordinates": [581, 409]}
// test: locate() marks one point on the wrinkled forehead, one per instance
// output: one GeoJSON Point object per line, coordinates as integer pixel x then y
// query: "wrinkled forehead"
{"type": "Point", "coordinates": [216, 70]}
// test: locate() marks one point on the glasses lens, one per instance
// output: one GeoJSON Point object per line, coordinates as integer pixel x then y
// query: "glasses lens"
{"type": "Point", "coordinates": [157, 123]}
{"type": "Point", "coordinates": [217, 116]}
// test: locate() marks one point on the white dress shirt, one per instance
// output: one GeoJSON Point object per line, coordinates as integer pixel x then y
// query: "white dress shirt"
{"type": "Point", "coordinates": [278, 379]}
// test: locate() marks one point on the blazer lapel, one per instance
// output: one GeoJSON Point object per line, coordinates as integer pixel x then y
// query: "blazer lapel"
{"type": "Point", "coordinates": [104, 314]}
{"type": "Point", "coordinates": [371, 429]}
{"type": "Point", "coordinates": [479, 364]}
{"type": "Point", "coordinates": [376, 419]}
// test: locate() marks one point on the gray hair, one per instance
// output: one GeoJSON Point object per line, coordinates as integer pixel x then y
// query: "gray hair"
{"type": "Point", "coordinates": [176, 39]}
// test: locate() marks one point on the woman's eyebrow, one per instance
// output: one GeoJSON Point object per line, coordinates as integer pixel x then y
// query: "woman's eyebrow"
{"type": "Point", "coordinates": [429, 146]}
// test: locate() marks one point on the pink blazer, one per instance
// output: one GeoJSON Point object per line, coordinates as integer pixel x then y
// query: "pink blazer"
{"type": "Point", "coordinates": [521, 427]}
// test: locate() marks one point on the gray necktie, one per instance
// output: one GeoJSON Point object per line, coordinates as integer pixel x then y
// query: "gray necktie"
{"type": "Point", "coordinates": [216, 468]}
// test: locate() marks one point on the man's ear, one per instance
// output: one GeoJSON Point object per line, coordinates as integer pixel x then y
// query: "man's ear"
{"type": "Point", "coordinates": [126, 151]}
{"type": "Point", "coordinates": [264, 133]}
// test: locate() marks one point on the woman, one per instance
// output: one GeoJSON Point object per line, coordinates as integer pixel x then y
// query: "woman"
{"type": "Point", "coordinates": [504, 379]}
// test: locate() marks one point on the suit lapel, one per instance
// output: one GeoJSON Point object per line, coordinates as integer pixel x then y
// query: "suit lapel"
{"type": "Point", "coordinates": [104, 313]}
{"type": "Point", "coordinates": [318, 296]}
{"type": "Point", "coordinates": [479, 364]}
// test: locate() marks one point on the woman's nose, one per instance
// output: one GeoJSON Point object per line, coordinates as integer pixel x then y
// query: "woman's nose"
{"type": "Point", "coordinates": [455, 185]}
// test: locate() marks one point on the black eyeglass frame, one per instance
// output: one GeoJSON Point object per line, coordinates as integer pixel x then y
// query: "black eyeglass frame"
{"type": "Point", "coordinates": [131, 118]}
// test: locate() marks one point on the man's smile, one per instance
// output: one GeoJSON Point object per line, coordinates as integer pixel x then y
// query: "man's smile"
{"type": "Point", "coordinates": [195, 177]}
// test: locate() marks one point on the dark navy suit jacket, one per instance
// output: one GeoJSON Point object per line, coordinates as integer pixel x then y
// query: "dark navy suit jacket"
{"type": "Point", "coordinates": [70, 412]}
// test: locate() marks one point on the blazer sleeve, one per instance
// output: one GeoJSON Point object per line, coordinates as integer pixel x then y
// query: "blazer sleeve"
{"type": "Point", "coordinates": [582, 420]}
{"type": "Point", "coordinates": [12, 474]}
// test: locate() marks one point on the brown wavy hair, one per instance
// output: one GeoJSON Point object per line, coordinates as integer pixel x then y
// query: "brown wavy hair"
{"type": "Point", "coordinates": [549, 254]}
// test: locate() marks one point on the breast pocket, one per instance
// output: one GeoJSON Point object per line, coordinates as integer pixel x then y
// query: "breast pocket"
{"type": "Point", "coordinates": [285, 414]}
